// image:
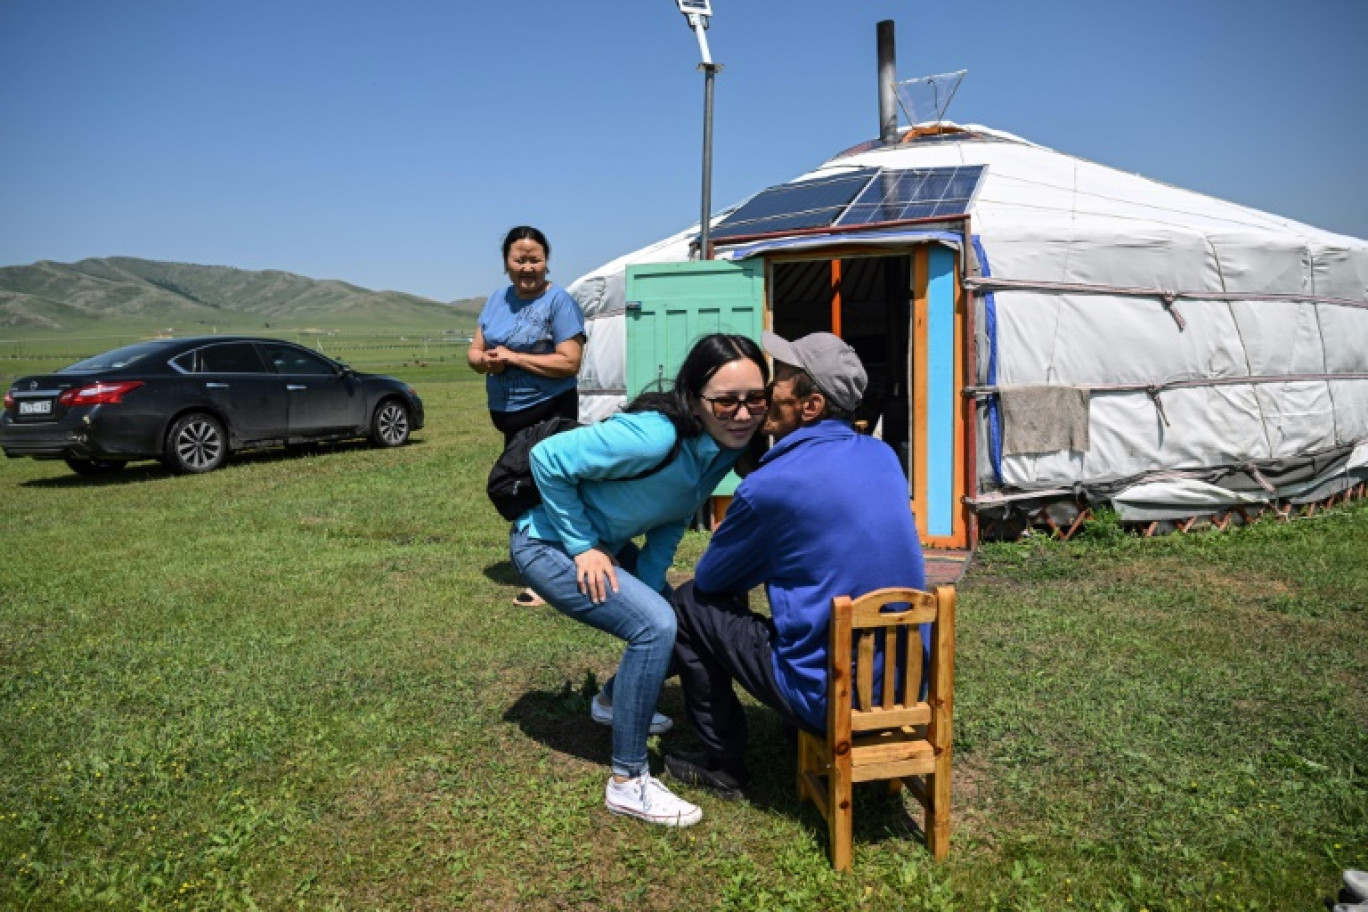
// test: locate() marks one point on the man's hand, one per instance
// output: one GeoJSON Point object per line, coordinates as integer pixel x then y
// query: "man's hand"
{"type": "Point", "coordinates": [590, 568]}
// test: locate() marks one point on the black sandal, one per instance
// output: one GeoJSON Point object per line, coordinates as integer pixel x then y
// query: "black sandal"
{"type": "Point", "coordinates": [528, 599]}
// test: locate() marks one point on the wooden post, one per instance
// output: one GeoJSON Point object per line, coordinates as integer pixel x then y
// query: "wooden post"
{"type": "Point", "coordinates": [836, 297]}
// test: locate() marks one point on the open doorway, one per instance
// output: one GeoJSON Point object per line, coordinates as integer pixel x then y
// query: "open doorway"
{"type": "Point", "coordinates": [867, 301]}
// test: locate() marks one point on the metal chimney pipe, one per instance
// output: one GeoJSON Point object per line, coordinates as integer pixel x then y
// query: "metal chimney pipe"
{"type": "Point", "coordinates": [888, 104]}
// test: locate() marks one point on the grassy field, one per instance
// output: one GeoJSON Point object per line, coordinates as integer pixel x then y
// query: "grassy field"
{"type": "Point", "coordinates": [300, 682]}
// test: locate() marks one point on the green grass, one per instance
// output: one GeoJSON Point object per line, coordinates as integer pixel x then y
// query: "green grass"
{"type": "Point", "coordinates": [301, 682]}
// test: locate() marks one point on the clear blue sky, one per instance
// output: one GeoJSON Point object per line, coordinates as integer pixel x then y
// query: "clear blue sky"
{"type": "Point", "coordinates": [391, 144]}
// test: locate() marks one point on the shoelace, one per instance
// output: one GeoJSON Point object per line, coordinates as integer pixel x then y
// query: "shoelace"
{"type": "Point", "coordinates": [648, 785]}
{"type": "Point", "coordinates": [645, 793]}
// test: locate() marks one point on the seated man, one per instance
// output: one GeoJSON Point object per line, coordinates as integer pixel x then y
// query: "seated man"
{"type": "Point", "coordinates": [825, 514]}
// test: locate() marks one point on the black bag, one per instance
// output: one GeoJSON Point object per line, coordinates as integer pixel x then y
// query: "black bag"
{"type": "Point", "coordinates": [510, 486]}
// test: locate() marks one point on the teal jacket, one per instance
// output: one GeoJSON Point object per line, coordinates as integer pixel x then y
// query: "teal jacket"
{"type": "Point", "coordinates": [587, 502]}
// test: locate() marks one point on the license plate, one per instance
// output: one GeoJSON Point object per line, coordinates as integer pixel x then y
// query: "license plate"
{"type": "Point", "coordinates": [36, 408]}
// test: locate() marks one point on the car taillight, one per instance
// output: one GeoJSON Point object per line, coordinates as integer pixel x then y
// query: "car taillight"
{"type": "Point", "coordinates": [9, 399]}
{"type": "Point", "coordinates": [99, 393]}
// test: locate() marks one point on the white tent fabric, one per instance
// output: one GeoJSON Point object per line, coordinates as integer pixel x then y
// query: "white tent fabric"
{"type": "Point", "coordinates": [1211, 334]}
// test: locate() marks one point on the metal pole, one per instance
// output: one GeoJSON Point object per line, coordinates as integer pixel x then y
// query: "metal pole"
{"type": "Point", "coordinates": [705, 221]}
{"type": "Point", "coordinates": [710, 69]}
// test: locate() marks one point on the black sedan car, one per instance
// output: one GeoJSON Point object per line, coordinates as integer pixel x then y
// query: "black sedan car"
{"type": "Point", "coordinates": [190, 402]}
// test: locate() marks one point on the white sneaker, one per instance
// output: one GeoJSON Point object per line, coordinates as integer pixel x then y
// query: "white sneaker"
{"type": "Point", "coordinates": [602, 713]}
{"type": "Point", "coordinates": [647, 799]}
{"type": "Point", "coordinates": [1356, 882]}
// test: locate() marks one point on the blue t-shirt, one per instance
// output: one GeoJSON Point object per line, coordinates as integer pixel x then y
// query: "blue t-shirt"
{"type": "Point", "coordinates": [533, 327]}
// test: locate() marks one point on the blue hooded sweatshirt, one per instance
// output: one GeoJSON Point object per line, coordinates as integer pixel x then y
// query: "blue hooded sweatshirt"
{"type": "Point", "coordinates": [825, 514]}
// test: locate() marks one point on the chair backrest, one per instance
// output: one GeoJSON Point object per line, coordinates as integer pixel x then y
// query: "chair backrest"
{"type": "Point", "coordinates": [864, 634]}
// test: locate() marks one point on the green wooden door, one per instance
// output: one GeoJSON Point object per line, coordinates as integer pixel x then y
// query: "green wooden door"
{"type": "Point", "coordinates": [672, 305]}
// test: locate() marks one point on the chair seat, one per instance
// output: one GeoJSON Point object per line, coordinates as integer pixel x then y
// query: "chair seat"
{"type": "Point", "coordinates": [890, 754]}
{"type": "Point", "coordinates": [886, 754]}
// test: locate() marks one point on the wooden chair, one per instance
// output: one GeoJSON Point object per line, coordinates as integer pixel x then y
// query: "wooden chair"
{"type": "Point", "coordinates": [884, 734]}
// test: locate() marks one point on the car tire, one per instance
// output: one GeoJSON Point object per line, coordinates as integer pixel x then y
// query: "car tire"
{"type": "Point", "coordinates": [91, 467]}
{"type": "Point", "coordinates": [390, 425]}
{"type": "Point", "coordinates": [196, 443]}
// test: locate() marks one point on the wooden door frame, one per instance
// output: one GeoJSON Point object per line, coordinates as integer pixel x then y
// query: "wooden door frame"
{"type": "Point", "coordinates": [918, 381]}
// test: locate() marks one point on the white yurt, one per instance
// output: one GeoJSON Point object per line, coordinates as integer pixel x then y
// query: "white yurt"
{"type": "Point", "coordinates": [1044, 335]}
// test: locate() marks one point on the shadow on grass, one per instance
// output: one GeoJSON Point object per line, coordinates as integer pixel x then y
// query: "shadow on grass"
{"type": "Point", "coordinates": [151, 470]}
{"type": "Point", "coordinates": [772, 757]}
{"type": "Point", "coordinates": [143, 472]}
{"type": "Point", "coordinates": [504, 573]}
{"type": "Point", "coordinates": [560, 721]}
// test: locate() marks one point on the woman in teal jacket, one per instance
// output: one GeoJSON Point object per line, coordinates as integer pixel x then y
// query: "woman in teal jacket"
{"type": "Point", "coordinates": [575, 548]}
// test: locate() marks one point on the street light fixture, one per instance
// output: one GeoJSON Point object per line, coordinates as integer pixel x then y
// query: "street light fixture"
{"type": "Point", "coordinates": [697, 13]}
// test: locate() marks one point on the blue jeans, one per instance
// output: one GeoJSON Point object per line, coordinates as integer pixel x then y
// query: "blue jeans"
{"type": "Point", "coordinates": [635, 613]}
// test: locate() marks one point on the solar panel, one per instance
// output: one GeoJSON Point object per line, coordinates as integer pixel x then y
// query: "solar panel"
{"type": "Point", "coordinates": [791, 207]}
{"type": "Point", "coordinates": [896, 196]}
{"type": "Point", "coordinates": [868, 196]}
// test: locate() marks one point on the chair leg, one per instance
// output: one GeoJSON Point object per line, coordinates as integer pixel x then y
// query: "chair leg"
{"type": "Point", "coordinates": [840, 821]}
{"type": "Point", "coordinates": [938, 811]}
{"type": "Point", "coordinates": [805, 750]}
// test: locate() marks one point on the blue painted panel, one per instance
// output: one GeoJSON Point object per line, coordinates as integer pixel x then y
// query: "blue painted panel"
{"type": "Point", "coordinates": [940, 393]}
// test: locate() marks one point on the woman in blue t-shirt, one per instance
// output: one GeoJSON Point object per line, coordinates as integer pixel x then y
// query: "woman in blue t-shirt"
{"type": "Point", "coordinates": [528, 344]}
{"type": "Point", "coordinates": [530, 340]}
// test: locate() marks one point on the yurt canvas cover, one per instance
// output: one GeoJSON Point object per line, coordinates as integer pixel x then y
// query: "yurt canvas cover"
{"type": "Point", "coordinates": [1046, 329]}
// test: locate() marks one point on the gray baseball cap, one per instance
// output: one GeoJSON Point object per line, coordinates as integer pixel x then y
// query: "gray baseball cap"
{"type": "Point", "coordinates": [831, 364]}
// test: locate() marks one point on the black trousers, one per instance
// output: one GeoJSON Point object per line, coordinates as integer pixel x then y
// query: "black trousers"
{"type": "Point", "coordinates": [566, 405]}
{"type": "Point", "coordinates": [721, 641]}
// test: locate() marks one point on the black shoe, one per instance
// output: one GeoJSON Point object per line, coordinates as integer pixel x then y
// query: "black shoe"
{"type": "Point", "coordinates": [694, 769]}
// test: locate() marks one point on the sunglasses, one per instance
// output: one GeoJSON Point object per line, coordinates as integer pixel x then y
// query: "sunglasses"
{"type": "Point", "coordinates": [725, 407]}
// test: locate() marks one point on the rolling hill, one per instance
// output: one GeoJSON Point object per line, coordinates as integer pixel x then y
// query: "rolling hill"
{"type": "Point", "coordinates": [123, 290]}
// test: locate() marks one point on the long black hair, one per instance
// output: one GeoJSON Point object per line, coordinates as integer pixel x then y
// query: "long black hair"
{"type": "Point", "coordinates": [525, 233]}
{"type": "Point", "coordinates": [706, 358]}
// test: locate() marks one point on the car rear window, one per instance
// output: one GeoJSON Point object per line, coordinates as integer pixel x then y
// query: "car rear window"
{"type": "Point", "coordinates": [119, 357]}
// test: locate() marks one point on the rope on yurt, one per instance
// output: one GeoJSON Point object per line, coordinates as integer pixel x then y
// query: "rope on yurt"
{"type": "Point", "coordinates": [987, 284]}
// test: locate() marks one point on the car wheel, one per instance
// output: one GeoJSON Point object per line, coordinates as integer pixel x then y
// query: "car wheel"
{"type": "Point", "coordinates": [390, 424]}
{"type": "Point", "coordinates": [95, 466]}
{"type": "Point", "coordinates": [196, 443]}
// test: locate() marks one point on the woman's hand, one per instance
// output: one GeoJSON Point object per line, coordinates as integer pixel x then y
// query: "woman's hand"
{"type": "Point", "coordinates": [478, 356]}
{"type": "Point", "coordinates": [563, 362]}
{"type": "Point", "coordinates": [496, 359]}
{"type": "Point", "coordinates": [590, 569]}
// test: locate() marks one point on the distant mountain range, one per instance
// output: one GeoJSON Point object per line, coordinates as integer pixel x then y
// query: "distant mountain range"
{"type": "Point", "coordinates": [61, 296]}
